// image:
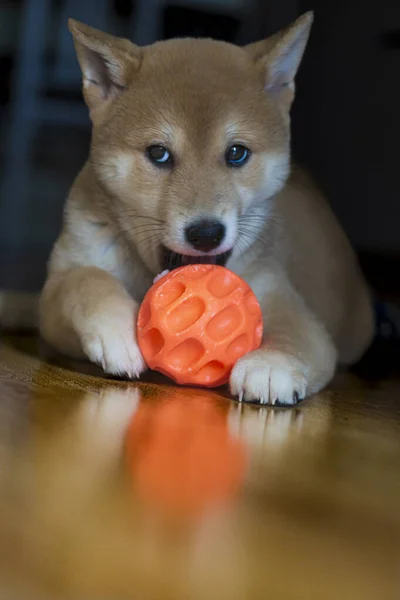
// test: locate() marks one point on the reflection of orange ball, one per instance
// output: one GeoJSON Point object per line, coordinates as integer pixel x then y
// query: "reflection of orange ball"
{"type": "Point", "coordinates": [195, 323]}
{"type": "Point", "coordinates": [182, 455]}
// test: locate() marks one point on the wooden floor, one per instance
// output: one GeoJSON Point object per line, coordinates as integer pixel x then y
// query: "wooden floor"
{"type": "Point", "coordinates": [112, 490]}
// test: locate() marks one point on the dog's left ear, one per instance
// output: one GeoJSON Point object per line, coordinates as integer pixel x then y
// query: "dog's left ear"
{"type": "Point", "coordinates": [279, 57]}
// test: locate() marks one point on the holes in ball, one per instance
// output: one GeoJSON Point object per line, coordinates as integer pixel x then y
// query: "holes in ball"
{"type": "Point", "coordinates": [152, 343]}
{"type": "Point", "coordinates": [185, 314]}
{"type": "Point", "coordinates": [168, 293]}
{"type": "Point", "coordinates": [239, 347]}
{"type": "Point", "coordinates": [214, 372]}
{"type": "Point", "coordinates": [225, 323]}
{"type": "Point", "coordinates": [144, 314]}
{"type": "Point", "coordinates": [184, 355]}
{"type": "Point", "coordinates": [222, 284]}
{"type": "Point", "coordinates": [251, 303]}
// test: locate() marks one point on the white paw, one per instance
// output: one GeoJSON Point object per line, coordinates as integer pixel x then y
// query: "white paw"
{"type": "Point", "coordinates": [110, 341]}
{"type": "Point", "coordinates": [269, 377]}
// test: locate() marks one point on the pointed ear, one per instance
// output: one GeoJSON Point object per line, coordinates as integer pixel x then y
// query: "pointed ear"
{"type": "Point", "coordinates": [107, 63]}
{"type": "Point", "coordinates": [279, 57]}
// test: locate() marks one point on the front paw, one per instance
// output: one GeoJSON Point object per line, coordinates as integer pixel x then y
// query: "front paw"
{"type": "Point", "coordinates": [110, 341]}
{"type": "Point", "coordinates": [269, 377]}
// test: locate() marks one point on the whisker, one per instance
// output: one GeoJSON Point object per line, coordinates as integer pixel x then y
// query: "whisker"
{"type": "Point", "coordinates": [254, 233]}
{"type": "Point", "coordinates": [149, 237]}
{"type": "Point", "coordinates": [252, 229]}
{"type": "Point", "coordinates": [110, 178]}
{"type": "Point", "coordinates": [141, 228]}
{"type": "Point", "coordinates": [134, 214]}
{"type": "Point", "coordinates": [144, 229]}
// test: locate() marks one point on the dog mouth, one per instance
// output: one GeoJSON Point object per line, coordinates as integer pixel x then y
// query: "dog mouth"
{"type": "Point", "coordinates": [172, 260]}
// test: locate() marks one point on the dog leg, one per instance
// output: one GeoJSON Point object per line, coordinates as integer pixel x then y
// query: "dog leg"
{"type": "Point", "coordinates": [297, 356]}
{"type": "Point", "coordinates": [86, 312]}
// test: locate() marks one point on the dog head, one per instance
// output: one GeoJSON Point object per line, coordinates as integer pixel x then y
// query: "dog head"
{"type": "Point", "coordinates": [190, 137]}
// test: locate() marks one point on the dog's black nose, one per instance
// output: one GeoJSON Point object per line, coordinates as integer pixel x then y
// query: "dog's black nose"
{"type": "Point", "coordinates": [205, 235]}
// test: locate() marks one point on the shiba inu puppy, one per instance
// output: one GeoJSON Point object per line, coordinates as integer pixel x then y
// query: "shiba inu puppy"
{"type": "Point", "coordinates": [190, 162]}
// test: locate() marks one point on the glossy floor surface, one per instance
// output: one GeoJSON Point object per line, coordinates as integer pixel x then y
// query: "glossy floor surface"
{"type": "Point", "coordinates": [112, 490]}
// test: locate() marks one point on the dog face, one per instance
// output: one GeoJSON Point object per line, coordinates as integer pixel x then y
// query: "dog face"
{"type": "Point", "coordinates": [189, 137]}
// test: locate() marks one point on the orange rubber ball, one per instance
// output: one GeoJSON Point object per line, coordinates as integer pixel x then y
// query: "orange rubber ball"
{"type": "Point", "coordinates": [196, 322]}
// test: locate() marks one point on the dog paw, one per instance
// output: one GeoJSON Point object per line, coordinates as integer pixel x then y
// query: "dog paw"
{"type": "Point", "coordinates": [110, 342]}
{"type": "Point", "coordinates": [269, 377]}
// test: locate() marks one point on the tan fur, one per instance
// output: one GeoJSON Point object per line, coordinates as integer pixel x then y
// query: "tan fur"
{"type": "Point", "coordinates": [196, 97]}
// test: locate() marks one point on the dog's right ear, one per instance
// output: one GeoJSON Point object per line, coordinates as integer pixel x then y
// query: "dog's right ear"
{"type": "Point", "coordinates": [107, 63]}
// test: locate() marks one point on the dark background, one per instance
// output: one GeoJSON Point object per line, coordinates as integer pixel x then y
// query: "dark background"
{"type": "Point", "coordinates": [346, 123]}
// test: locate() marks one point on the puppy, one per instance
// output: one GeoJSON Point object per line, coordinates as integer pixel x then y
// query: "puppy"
{"type": "Point", "coordinates": [190, 162]}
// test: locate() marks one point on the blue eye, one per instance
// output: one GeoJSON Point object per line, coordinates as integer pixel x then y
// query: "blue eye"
{"type": "Point", "coordinates": [237, 155]}
{"type": "Point", "coordinates": [159, 155]}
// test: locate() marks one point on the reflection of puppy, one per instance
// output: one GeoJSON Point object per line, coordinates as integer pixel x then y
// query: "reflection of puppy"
{"type": "Point", "coordinates": [280, 432]}
{"type": "Point", "coordinates": [190, 162]}
{"type": "Point", "coordinates": [91, 441]}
